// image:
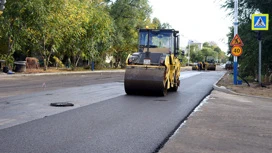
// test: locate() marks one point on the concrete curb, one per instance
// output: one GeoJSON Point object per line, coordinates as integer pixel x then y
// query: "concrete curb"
{"type": "Point", "coordinates": [63, 73]}
{"type": "Point", "coordinates": [226, 90]}
{"type": "Point", "coordinates": [71, 72]}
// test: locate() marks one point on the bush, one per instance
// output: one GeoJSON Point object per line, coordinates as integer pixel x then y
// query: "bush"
{"type": "Point", "coordinates": [9, 60]}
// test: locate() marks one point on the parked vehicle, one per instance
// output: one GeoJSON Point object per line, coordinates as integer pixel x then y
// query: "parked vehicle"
{"type": "Point", "coordinates": [229, 65]}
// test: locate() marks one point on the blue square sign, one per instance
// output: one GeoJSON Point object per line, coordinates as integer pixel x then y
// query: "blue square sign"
{"type": "Point", "coordinates": [260, 21]}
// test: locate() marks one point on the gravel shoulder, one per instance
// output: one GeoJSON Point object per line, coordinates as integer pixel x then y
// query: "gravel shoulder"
{"type": "Point", "coordinates": [253, 90]}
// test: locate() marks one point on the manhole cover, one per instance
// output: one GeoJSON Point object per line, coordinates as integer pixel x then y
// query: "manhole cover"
{"type": "Point", "coordinates": [61, 104]}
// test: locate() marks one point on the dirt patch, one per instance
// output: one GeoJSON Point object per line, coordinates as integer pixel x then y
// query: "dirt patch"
{"type": "Point", "coordinates": [49, 70]}
{"type": "Point", "coordinates": [56, 70]}
{"type": "Point", "coordinates": [254, 88]}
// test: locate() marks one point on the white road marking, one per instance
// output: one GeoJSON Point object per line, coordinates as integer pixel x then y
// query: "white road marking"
{"type": "Point", "coordinates": [187, 74]}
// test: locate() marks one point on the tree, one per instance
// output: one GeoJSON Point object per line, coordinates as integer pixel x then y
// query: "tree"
{"type": "Point", "coordinates": [207, 52]}
{"type": "Point", "coordinates": [211, 49]}
{"type": "Point", "coordinates": [70, 28]}
{"type": "Point", "coordinates": [16, 22]}
{"type": "Point", "coordinates": [85, 30]}
{"type": "Point", "coordinates": [128, 17]}
{"type": "Point", "coordinates": [166, 26]}
{"type": "Point", "coordinates": [195, 54]}
{"type": "Point", "coordinates": [36, 26]}
{"type": "Point", "coordinates": [206, 44]}
{"type": "Point", "coordinates": [217, 49]}
{"type": "Point", "coordinates": [156, 23]}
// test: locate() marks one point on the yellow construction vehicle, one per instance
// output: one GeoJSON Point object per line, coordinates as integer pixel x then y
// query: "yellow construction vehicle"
{"type": "Point", "coordinates": [210, 63]}
{"type": "Point", "coordinates": [155, 68]}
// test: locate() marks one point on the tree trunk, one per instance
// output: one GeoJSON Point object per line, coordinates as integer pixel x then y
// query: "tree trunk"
{"type": "Point", "coordinates": [117, 61]}
{"type": "Point", "coordinates": [44, 64]}
{"type": "Point", "coordinates": [45, 61]}
{"type": "Point", "coordinates": [74, 61]}
{"type": "Point", "coordinates": [77, 61]}
{"type": "Point", "coordinates": [9, 44]}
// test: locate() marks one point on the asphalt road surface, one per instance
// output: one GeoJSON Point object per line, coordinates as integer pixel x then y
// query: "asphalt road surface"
{"type": "Point", "coordinates": [104, 119]}
{"type": "Point", "coordinates": [16, 85]}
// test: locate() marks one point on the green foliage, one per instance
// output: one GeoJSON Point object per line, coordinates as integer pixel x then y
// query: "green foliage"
{"type": "Point", "coordinates": [156, 23]}
{"type": "Point", "coordinates": [166, 26]}
{"type": "Point", "coordinates": [8, 60]}
{"type": "Point", "coordinates": [74, 29]}
{"type": "Point", "coordinates": [206, 44]}
{"type": "Point", "coordinates": [182, 58]}
{"type": "Point", "coordinates": [128, 17]}
{"type": "Point", "coordinates": [217, 49]}
{"type": "Point", "coordinates": [209, 49]}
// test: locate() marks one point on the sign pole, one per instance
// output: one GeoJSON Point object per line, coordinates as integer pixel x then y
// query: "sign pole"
{"type": "Point", "coordinates": [260, 22]}
{"type": "Point", "coordinates": [260, 57]}
{"type": "Point", "coordinates": [235, 59]}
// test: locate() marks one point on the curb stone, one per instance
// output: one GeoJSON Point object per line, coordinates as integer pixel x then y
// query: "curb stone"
{"type": "Point", "coordinates": [68, 73]}
{"type": "Point", "coordinates": [62, 73]}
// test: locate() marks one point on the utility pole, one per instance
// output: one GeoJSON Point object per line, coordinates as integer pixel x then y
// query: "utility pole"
{"type": "Point", "coordinates": [189, 54]}
{"type": "Point", "coordinates": [235, 58]}
{"type": "Point", "coordinates": [189, 43]}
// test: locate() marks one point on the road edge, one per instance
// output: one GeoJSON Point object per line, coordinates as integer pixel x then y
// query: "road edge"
{"type": "Point", "coordinates": [229, 91]}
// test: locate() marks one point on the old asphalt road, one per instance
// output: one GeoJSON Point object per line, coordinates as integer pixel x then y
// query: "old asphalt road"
{"type": "Point", "coordinates": [21, 84]}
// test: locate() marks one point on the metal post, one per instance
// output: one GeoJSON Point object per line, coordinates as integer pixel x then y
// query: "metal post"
{"type": "Point", "coordinates": [235, 59]}
{"type": "Point", "coordinates": [92, 65]}
{"type": "Point", "coordinates": [260, 62]}
{"type": "Point", "coordinates": [217, 60]}
{"type": "Point", "coordinates": [189, 55]}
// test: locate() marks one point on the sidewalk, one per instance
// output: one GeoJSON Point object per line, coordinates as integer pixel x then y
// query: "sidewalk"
{"type": "Point", "coordinates": [227, 123]}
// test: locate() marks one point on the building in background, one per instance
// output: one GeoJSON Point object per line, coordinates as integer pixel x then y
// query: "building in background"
{"type": "Point", "coordinates": [199, 44]}
{"type": "Point", "coordinates": [193, 42]}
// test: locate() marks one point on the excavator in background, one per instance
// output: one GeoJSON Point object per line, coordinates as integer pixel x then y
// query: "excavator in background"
{"type": "Point", "coordinates": [155, 68]}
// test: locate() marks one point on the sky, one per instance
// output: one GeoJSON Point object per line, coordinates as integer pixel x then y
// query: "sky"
{"type": "Point", "coordinates": [197, 20]}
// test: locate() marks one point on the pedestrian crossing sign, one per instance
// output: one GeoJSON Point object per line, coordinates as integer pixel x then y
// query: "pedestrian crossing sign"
{"type": "Point", "coordinates": [260, 21]}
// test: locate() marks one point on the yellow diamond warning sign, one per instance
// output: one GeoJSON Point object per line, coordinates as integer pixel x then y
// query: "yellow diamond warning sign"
{"type": "Point", "coordinates": [236, 41]}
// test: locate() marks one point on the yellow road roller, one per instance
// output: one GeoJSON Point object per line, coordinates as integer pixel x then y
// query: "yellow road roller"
{"type": "Point", "coordinates": [155, 68]}
{"type": "Point", "coordinates": [210, 63]}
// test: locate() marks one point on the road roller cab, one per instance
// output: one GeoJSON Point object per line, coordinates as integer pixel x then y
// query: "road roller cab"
{"type": "Point", "coordinates": [155, 68]}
